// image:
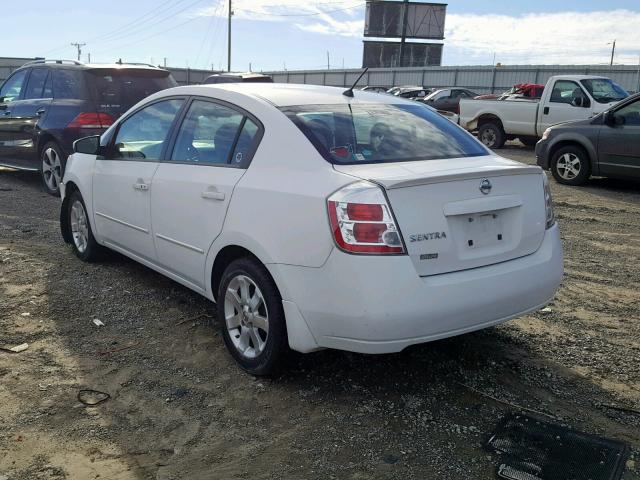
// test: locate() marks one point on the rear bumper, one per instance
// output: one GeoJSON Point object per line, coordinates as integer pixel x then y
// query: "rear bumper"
{"type": "Point", "coordinates": [380, 305]}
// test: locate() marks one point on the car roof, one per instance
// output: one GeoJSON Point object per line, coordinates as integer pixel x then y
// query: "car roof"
{"type": "Point", "coordinates": [287, 94]}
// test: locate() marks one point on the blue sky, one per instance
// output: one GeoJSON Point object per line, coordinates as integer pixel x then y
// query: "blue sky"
{"type": "Point", "coordinates": [270, 34]}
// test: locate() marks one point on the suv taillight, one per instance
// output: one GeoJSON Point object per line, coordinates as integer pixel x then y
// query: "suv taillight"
{"type": "Point", "coordinates": [91, 120]}
{"type": "Point", "coordinates": [362, 222]}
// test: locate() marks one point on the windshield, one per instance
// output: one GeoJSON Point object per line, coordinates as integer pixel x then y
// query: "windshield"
{"type": "Point", "coordinates": [381, 133]}
{"type": "Point", "coordinates": [604, 90]}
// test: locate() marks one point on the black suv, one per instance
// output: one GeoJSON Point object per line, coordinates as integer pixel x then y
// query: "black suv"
{"type": "Point", "coordinates": [46, 105]}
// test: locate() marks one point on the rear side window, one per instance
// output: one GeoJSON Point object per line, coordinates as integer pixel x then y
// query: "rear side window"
{"type": "Point", "coordinates": [142, 136]}
{"type": "Point", "coordinates": [36, 83]}
{"type": "Point", "coordinates": [381, 133]}
{"type": "Point", "coordinates": [214, 134]}
{"type": "Point", "coordinates": [68, 84]}
{"type": "Point", "coordinates": [127, 87]}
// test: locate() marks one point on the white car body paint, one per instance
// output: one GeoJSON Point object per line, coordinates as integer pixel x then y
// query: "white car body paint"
{"type": "Point", "coordinates": [277, 209]}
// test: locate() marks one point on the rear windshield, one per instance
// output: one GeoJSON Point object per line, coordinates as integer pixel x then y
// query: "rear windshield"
{"type": "Point", "coordinates": [381, 133]}
{"type": "Point", "coordinates": [127, 87]}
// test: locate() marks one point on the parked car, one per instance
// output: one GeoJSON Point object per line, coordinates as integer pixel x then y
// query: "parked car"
{"type": "Point", "coordinates": [606, 145]}
{"type": "Point", "coordinates": [374, 88]}
{"type": "Point", "coordinates": [48, 104]}
{"type": "Point", "coordinates": [564, 98]}
{"type": "Point", "coordinates": [236, 77]}
{"type": "Point", "coordinates": [300, 210]}
{"type": "Point", "coordinates": [410, 92]}
{"type": "Point", "coordinates": [448, 99]}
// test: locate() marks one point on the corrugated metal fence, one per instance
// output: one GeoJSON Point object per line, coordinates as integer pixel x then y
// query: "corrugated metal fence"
{"type": "Point", "coordinates": [480, 79]}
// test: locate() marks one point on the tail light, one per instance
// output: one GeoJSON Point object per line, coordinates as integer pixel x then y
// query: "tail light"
{"type": "Point", "coordinates": [548, 203]}
{"type": "Point", "coordinates": [91, 120]}
{"type": "Point", "coordinates": [362, 221]}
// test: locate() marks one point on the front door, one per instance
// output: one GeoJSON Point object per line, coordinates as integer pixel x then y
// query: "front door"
{"type": "Point", "coordinates": [191, 191]}
{"type": "Point", "coordinates": [619, 143]}
{"type": "Point", "coordinates": [28, 115]}
{"type": "Point", "coordinates": [10, 92]}
{"type": "Point", "coordinates": [122, 179]}
{"type": "Point", "coordinates": [563, 105]}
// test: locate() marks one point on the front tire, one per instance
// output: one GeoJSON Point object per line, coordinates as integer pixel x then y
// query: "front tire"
{"type": "Point", "coordinates": [52, 163]}
{"type": "Point", "coordinates": [492, 135]}
{"type": "Point", "coordinates": [251, 317]}
{"type": "Point", "coordinates": [82, 241]}
{"type": "Point", "coordinates": [570, 165]}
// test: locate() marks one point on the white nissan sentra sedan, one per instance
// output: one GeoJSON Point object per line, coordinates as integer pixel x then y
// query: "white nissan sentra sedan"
{"type": "Point", "coordinates": [316, 219]}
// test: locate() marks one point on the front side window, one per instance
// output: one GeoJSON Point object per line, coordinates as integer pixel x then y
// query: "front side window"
{"type": "Point", "coordinates": [142, 136]}
{"type": "Point", "coordinates": [565, 91]}
{"type": "Point", "coordinates": [11, 89]}
{"type": "Point", "coordinates": [381, 133]}
{"type": "Point", "coordinates": [604, 90]}
{"type": "Point", "coordinates": [209, 134]}
{"type": "Point", "coordinates": [36, 83]}
{"type": "Point", "coordinates": [630, 113]}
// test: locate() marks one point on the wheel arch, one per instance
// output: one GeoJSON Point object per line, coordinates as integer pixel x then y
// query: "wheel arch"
{"type": "Point", "coordinates": [485, 118]}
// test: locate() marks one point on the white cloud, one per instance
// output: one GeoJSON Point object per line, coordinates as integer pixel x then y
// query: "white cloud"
{"type": "Point", "coordinates": [547, 38]}
{"type": "Point", "coordinates": [535, 38]}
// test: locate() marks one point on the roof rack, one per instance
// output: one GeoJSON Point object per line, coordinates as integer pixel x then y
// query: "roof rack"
{"type": "Point", "coordinates": [120, 62]}
{"type": "Point", "coordinates": [51, 60]}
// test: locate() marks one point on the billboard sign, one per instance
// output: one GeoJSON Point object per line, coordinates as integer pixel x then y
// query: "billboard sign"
{"type": "Point", "coordinates": [387, 54]}
{"type": "Point", "coordinates": [424, 20]}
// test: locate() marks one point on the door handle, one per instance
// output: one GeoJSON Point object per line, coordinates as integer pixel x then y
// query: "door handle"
{"type": "Point", "coordinates": [40, 112]}
{"type": "Point", "coordinates": [141, 186]}
{"type": "Point", "coordinates": [212, 194]}
{"type": "Point", "coordinates": [545, 111]}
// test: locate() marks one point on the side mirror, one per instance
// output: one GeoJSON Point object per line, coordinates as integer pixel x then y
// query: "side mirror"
{"type": "Point", "coordinates": [89, 145]}
{"type": "Point", "coordinates": [613, 120]}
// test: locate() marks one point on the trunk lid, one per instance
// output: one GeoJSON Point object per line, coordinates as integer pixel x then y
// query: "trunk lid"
{"type": "Point", "coordinates": [448, 223]}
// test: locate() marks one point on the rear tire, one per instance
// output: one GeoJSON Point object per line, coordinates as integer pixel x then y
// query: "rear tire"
{"type": "Point", "coordinates": [52, 163]}
{"type": "Point", "coordinates": [571, 165]}
{"type": "Point", "coordinates": [528, 141]}
{"type": "Point", "coordinates": [82, 241]}
{"type": "Point", "coordinates": [251, 317]}
{"type": "Point", "coordinates": [492, 135]}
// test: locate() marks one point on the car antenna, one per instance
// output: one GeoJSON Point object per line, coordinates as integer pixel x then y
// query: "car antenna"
{"type": "Point", "coordinates": [349, 92]}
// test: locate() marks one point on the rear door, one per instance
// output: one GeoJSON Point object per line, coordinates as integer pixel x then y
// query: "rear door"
{"type": "Point", "coordinates": [10, 93]}
{"type": "Point", "coordinates": [619, 144]}
{"type": "Point", "coordinates": [29, 114]}
{"type": "Point", "coordinates": [192, 189]}
{"type": "Point", "coordinates": [560, 106]}
{"type": "Point", "coordinates": [122, 179]}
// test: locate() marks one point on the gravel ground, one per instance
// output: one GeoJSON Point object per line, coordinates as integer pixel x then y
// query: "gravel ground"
{"type": "Point", "coordinates": [180, 408]}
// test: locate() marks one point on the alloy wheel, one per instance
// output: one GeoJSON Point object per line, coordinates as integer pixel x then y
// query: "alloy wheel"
{"type": "Point", "coordinates": [568, 166]}
{"type": "Point", "coordinates": [246, 316]}
{"type": "Point", "coordinates": [488, 138]}
{"type": "Point", "coordinates": [51, 169]}
{"type": "Point", "coordinates": [79, 226]}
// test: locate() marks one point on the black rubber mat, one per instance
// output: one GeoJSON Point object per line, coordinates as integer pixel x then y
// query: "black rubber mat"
{"type": "Point", "coordinates": [535, 450]}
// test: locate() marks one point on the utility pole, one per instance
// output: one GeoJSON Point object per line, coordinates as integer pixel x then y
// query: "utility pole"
{"type": "Point", "coordinates": [229, 39]}
{"type": "Point", "coordinates": [79, 47]}
{"type": "Point", "coordinates": [613, 51]}
{"type": "Point", "coordinates": [89, 57]}
{"type": "Point", "coordinates": [405, 17]}
{"type": "Point", "coordinates": [328, 64]}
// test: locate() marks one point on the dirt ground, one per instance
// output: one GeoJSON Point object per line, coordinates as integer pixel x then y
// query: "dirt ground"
{"type": "Point", "coordinates": [180, 408]}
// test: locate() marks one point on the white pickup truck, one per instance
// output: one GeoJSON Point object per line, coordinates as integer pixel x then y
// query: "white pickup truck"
{"type": "Point", "coordinates": [564, 98]}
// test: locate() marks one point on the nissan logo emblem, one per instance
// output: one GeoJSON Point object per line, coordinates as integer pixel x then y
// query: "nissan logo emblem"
{"type": "Point", "coordinates": [485, 186]}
